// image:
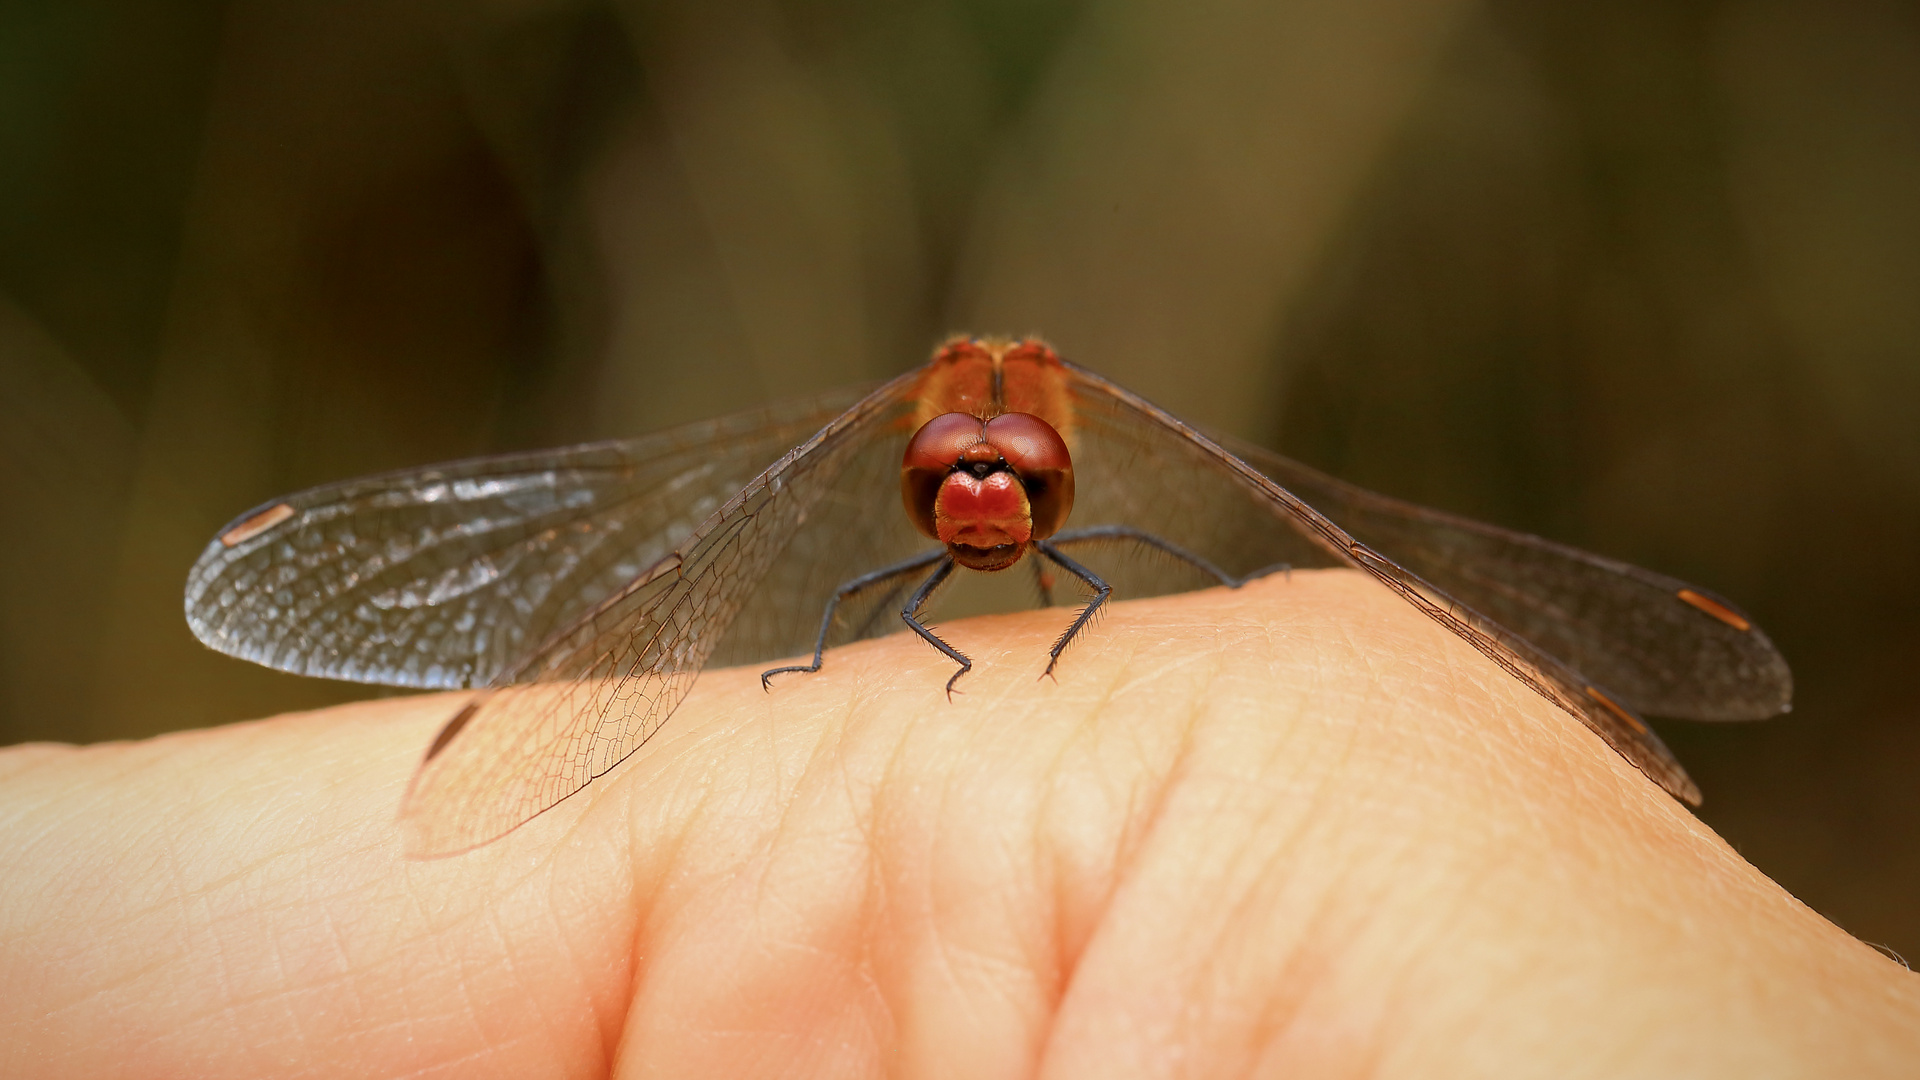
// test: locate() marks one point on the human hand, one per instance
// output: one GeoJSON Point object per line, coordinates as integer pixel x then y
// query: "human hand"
{"type": "Point", "coordinates": [1294, 829]}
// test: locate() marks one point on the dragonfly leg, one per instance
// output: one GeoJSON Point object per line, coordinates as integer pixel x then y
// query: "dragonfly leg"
{"type": "Point", "coordinates": [1101, 591]}
{"type": "Point", "coordinates": [1043, 582]}
{"type": "Point", "coordinates": [852, 588]}
{"type": "Point", "coordinates": [911, 614]}
{"type": "Point", "coordinates": [1167, 547]}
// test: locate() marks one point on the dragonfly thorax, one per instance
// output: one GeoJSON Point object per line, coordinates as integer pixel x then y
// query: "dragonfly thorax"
{"type": "Point", "coordinates": [987, 488]}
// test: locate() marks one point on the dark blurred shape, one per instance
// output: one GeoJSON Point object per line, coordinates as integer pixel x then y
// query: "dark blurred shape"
{"type": "Point", "coordinates": [1642, 277]}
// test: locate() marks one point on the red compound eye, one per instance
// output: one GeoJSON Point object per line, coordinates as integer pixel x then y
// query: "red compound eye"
{"type": "Point", "coordinates": [1038, 456]}
{"type": "Point", "coordinates": [933, 452]}
{"type": "Point", "coordinates": [971, 483]}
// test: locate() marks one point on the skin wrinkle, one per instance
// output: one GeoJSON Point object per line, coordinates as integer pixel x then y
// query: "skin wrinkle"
{"type": "Point", "coordinates": [1307, 968]}
{"type": "Point", "coordinates": [1140, 674]}
{"type": "Point", "coordinates": [650, 917]}
{"type": "Point", "coordinates": [786, 828]}
{"type": "Point", "coordinates": [1049, 881]}
{"type": "Point", "coordinates": [287, 972]}
{"type": "Point", "coordinates": [1449, 916]}
{"type": "Point", "coordinates": [1036, 983]}
{"type": "Point", "coordinates": [650, 850]}
{"type": "Point", "coordinates": [801, 794]}
{"type": "Point", "coordinates": [101, 925]}
{"type": "Point", "coordinates": [468, 1013]}
{"type": "Point", "coordinates": [1069, 939]}
{"type": "Point", "coordinates": [192, 901]}
{"type": "Point", "coordinates": [1510, 772]}
{"type": "Point", "coordinates": [251, 872]}
{"type": "Point", "coordinates": [176, 1045]}
{"type": "Point", "coordinates": [1558, 778]}
{"type": "Point", "coordinates": [229, 893]}
{"type": "Point", "coordinates": [930, 906]}
{"type": "Point", "coordinates": [1280, 755]}
{"type": "Point", "coordinates": [1043, 867]}
{"type": "Point", "coordinates": [872, 886]}
{"type": "Point", "coordinates": [577, 964]}
{"type": "Point", "coordinates": [610, 1021]}
{"type": "Point", "coordinates": [882, 1015]}
{"type": "Point", "coordinates": [1304, 966]}
{"type": "Point", "coordinates": [1349, 744]}
{"type": "Point", "coordinates": [1501, 845]}
{"type": "Point", "coordinates": [487, 917]}
{"type": "Point", "coordinates": [100, 793]}
{"type": "Point", "coordinates": [1441, 921]}
{"type": "Point", "coordinates": [1047, 951]}
{"type": "Point", "coordinates": [516, 971]}
{"type": "Point", "coordinates": [431, 932]}
{"type": "Point", "coordinates": [1131, 821]}
{"type": "Point", "coordinates": [1318, 804]}
{"type": "Point", "coordinates": [1604, 867]}
{"type": "Point", "coordinates": [1535, 826]}
{"type": "Point", "coordinates": [923, 916]}
{"type": "Point", "coordinates": [1435, 745]}
{"type": "Point", "coordinates": [1387, 967]}
{"type": "Point", "coordinates": [451, 1068]}
{"type": "Point", "coordinates": [1497, 772]}
{"type": "Point", "coordinates": [1142, 830]}
{"type": "Point", "coordinates": [1126, 866]}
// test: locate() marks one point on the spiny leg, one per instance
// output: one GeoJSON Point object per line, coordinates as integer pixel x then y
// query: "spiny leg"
{"type": "Point", "coordinates": [1167, 547]}
{"type": "Point", "coordinates": [911, 615]}
{"type": "Point", "coordinates": [857, 585]}
{"type": "Point", "coordinates": [1101, 591]}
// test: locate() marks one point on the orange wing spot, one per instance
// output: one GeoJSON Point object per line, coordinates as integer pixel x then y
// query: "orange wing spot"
{"type": "Point", "coordinates": [1716, 609]}
{"type": "Point", "coordinates": [1613, 707]}
{"type": "Point", "coordinates": [257, 524]}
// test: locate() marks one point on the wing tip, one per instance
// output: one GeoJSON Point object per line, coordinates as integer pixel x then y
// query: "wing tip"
{"type": "Point", "coordinates": [1682, 787]}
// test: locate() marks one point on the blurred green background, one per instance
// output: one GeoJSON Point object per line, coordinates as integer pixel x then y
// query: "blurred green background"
{"type": "Point", "coordinates": [1640, 276]}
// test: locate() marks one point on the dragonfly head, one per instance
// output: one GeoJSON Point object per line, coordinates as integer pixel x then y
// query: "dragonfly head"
{"type": "Point", "coordinates": [987, 488]}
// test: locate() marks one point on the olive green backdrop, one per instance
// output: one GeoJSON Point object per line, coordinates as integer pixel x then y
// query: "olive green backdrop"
{"type": "Point", "coordinates": [1641, 276]}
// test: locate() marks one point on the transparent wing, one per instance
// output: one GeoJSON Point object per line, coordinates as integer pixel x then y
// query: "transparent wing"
{"type": "Point", "coordinates": [749, 582]}
{"type": "Point", "coordinates": [1146, 468]}
{"type": "Point", "coordinates": [442, 576]}
{"type": "Point", "coordinates": [1658, 645]}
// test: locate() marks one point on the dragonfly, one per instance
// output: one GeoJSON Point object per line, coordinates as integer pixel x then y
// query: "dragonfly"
{"type": "Point", "coordinates": [582, 590]}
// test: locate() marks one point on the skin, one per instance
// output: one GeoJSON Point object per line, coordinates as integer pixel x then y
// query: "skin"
{"type": "Point", "coordinates": [1291, 830]}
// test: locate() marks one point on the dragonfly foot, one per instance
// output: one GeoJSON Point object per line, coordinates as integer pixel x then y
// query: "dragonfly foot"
{"type": "Point", "coordinates": [766, 677]}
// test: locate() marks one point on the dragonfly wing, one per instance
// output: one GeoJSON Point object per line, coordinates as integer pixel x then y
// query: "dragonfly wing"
{"type": "Point", "coordinates": [1180, 484]}
{"type": "Point", "coordinates": [1658, 645]}
{"type": "Point", "coordinates": [440, 576]}
{"type": "Point", "coordinates": [580, 703]}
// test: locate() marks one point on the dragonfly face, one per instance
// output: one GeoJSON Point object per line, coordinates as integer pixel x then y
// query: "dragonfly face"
{"type": "Point", "coordinates": [583, 589]}
{"type": "Point", "coordinates": [986, 483]}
